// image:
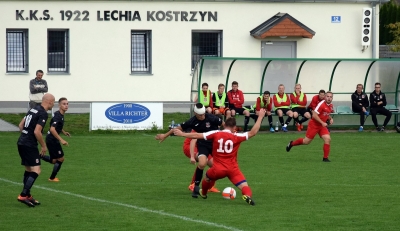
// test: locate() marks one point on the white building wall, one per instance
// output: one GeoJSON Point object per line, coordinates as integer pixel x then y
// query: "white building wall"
{"type": "Point", "coordinates": [100, 50]}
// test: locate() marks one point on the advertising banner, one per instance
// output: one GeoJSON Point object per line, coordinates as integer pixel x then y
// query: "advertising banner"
{"type": "Point", "coordinates": [125, 116]}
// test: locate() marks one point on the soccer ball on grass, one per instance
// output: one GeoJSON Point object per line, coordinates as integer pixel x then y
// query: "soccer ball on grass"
{"type": "Point", "coordinates": [229, 193]}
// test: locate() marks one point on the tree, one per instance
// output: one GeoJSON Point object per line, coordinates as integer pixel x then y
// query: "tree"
{"type": "Point", "coordinates": [395, 31]}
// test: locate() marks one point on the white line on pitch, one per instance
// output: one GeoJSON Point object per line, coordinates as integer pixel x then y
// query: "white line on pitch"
{"type": "Point", "coordinates": [129, 206]}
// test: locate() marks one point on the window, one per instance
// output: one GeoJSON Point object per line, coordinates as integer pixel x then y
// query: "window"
{"type": "Point", "coordinates": [17, 50]}
{"type": "Point", "coordinates": [141, 52]}
{"type": "Point", "coordinates": [207, 43]}
{"type": "Point", "coordinates": [57, 51]}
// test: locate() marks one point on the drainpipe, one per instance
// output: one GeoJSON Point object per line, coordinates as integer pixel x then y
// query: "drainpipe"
{"type": "Point", "coordinates": [374, 42]}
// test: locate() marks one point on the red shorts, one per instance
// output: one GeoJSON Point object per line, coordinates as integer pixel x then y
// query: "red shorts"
{"type": "Point", "coordinates": [314, 129]}
{"type": "Point", "coordinates": [234, 174]}
{"type": "Point", "coordinates": [222, 111]}
{"type": "Point", "coordinates": [186, 151]}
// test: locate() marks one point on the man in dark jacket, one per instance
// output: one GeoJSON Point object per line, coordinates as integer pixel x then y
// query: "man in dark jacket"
{"type": "Point", "coordinates": [378, 101]}
{"type": "Point", "coordinates": [359, 104]}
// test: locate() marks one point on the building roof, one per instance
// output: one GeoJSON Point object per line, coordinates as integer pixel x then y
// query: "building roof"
{"type": "Point", "coordinates": [282, 24]}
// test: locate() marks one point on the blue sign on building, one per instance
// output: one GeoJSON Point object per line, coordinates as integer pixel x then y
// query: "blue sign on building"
{"type": "Point", "coordinates": [336, 19]}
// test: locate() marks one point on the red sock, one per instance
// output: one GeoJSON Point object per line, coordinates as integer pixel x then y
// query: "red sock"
{"type": "Point", "coordinates": [205, 186]}
{"type": "Point", "coordinates": [212, 183]}
{"type": "Point", "coordinates": [299, 141]}
{"type": "Point", "coordinates": [194, 176]}
{"type": "Point", "coordinates": [327, 148]}
{"type": "Point", "coordinates": [246, 190]}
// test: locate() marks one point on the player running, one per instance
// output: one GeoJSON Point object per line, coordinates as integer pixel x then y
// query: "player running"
{"type": "Point", "coordinates": [318, 125]}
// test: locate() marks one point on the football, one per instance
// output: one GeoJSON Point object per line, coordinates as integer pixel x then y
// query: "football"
{"type": "Point", "coordinates": [229, 193]}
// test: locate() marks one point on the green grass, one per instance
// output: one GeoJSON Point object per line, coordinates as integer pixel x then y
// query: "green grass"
{"type": "Point", "coordinates": [132, 182]}
{"type": "Point", "coordinates": [79, 123]}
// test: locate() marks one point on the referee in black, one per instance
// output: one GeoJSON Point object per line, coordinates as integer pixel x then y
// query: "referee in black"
{"type": "Point", "coordinates": [377, 100]}
{"type": "Point", "coordinates": [31, 127]}
{"type": "Point", "coordinates": [201, 122]}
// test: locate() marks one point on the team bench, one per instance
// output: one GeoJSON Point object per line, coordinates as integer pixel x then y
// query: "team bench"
{"type": "Point", "coordinates": [346, 110]}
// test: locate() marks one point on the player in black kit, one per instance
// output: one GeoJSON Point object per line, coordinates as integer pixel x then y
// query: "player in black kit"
{"type": "Point", "coordinates": [54, 140]}
{"type": "Point", "coordinates": [31, 127]}
{"type": "Point", "coordinates": [200, 122]}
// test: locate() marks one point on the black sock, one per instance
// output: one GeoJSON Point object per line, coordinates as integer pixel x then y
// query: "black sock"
{"type": "Point", "coordinates": [281, 120]}
{"type": "Point", "coordinates": [26, 174]}
{"type": "Point", "coordinates": [56, 168]}
{"type": "Point", "coordinates": [246, 122]}
{"type": "Point", "coordinates": [199, 176]}
{"type": "Point", "coordinates": [296, 119]}
{"type": "Point", "coordinates": [270, 121]}
{"type": "Point", "coordinates": [47, 159]}
{"type": "Point", "coordinates": [29, 183]}
{"type": "Point", "coordinates": [288, 120]}
{"type": "Point", "coordinates": [304, 119]}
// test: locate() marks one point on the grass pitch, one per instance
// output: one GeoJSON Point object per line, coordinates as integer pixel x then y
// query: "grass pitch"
{"type": "Point", "coordinates": [131, 182]}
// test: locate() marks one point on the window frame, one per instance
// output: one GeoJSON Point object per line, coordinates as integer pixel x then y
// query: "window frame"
{"type": "Point", "coordinates": [147, 53]}
{"type": "Point", "coordinates": [25, 36]}
{"type": "Point", "coordinates": [66, 69]}
{"type": "Point", "coordinates": [194, 61]}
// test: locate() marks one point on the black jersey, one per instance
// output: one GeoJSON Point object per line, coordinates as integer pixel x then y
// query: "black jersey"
{"type": "Point", "coordinates": [58, 123]}
{"type": "Point", "coordinates": [211, 122]}
{"type": "Point", "coordinates": [374, 98]}
{"type": "Point", "coordinates": [36, 115]}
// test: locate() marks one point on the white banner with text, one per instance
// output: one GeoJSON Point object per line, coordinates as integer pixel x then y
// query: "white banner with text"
{"type": "Point", "coordinates": [126, 116]}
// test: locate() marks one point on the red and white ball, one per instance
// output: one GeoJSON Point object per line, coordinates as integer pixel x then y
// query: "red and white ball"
{"type": "Point", "coordinates": [229, 193]}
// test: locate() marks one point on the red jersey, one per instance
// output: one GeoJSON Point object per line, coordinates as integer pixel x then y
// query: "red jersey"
{"type": "Point", "coordinates": [280, 102]}
{"type": "Point", "coordinates": [323, 110]}
{"type": "Point", "coordinates": [236, 98]}
{"type": "Point", "coordinates": [225, 147]}
{"type": "Point", "coordinates": [314, 102]}
{"type": "Point", "coordinates": [267, 105]}
{"type": "Point", "coordinates": [296, 100]}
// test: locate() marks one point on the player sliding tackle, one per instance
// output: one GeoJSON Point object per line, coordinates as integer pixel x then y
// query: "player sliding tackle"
{"type": "Point", "coordinates": [225, 145]}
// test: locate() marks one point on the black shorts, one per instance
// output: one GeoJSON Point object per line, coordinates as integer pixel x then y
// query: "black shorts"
{"type": "Point", "coordinates": [55, 150]}
{"type": "Point", "coordinates": [204, 148]}
{"type": "Point", "coordinates": [284, 110]}
{"type": "Point", "coordinates": [238, 110]}
{"type": "Point", "coordinates": [300, 110]}
{"type": "Point", "coordinates": [29, 156]}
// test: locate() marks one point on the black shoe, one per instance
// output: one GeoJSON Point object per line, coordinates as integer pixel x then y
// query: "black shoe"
{"type": "Point", "coordinates": [25, 200]}
{"type": "Point", "coordinates": [201, 194]}
{"type": "Point", "coordinates": [382, 129]}
{"type": "Point", "coordinates": [195, 193]}
{"type": "Point", "coordinates": [378, 129]}
{"type": "Point", "coordinates": [289, 146]}
{"type": "Point", "coordinates": [248, 200]}
{"type": "Point", "coordinates": [33, 201]}
{"type": "Point", "coordinates": [326, 160]}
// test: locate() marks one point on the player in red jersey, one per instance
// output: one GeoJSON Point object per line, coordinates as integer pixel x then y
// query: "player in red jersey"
{"type": "Point", "coordinates": [315, 100]}
{"type": "Point", "coordinates": [236, 101]}
{"type": "Point", "coordinates": [318, 125]}
{"type": "Point", "coordinates": [299, 101]}
{"type": "Point", "coordinates": [190, 150]}
{"type": "Point", "coordinates": [226, 144]}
